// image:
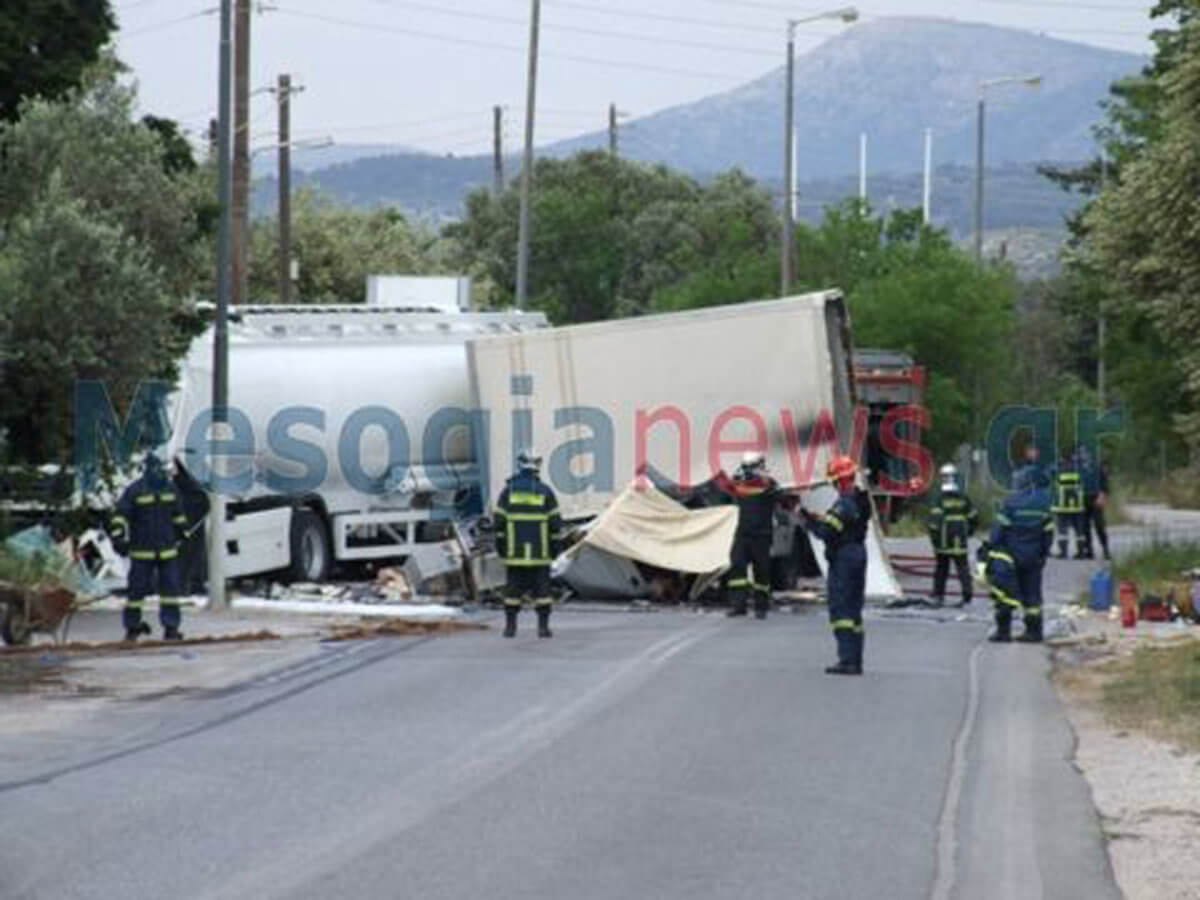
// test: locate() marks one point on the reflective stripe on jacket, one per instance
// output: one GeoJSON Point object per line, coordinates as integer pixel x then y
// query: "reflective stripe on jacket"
{"type": "Point", "coordinates": [529, 528]}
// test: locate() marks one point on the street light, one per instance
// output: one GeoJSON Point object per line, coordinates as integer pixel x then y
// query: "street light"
{"type": "Point", "coordinates": [846, 14]}
{"type": "Point", "coordinates": [1032, 81]}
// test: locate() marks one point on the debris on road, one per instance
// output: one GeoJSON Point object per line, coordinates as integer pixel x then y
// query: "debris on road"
{"type": "Point", "coordinates": [400, 628]}
{"type": "Point", "coordinates": [88, 647]}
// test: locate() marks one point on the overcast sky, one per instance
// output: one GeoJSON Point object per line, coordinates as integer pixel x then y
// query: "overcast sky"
{"type": "Point", "coordinates": [426, 73]}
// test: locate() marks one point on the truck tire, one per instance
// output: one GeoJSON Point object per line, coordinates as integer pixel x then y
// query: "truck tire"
{"type": "Point", "coordinates": [312, 556]}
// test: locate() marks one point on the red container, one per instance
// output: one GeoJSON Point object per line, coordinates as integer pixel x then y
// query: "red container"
{"type": "Point", "coordinates": [1129, 604]}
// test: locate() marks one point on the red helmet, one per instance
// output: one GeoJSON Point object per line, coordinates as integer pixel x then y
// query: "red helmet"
{"type": "Point", "coordinates": [840, 468]}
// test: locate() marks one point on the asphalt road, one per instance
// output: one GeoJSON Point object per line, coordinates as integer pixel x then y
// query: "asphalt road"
{"type": "Point", "coordinates": [649, 755]}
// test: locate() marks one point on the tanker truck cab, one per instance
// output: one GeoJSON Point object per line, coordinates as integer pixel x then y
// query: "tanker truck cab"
{"type": "Point", "coordinates": [349, 435]}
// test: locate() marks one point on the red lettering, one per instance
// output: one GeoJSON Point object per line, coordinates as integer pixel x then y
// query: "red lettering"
{"type": "Point", "coordinates": [643, 423]}
{"type": "Point", "coordinates": [898, 447]}
{"type": "Point", "coordinates": [823, 432]}
{"type": "Point", "coordinates": [717, 445]}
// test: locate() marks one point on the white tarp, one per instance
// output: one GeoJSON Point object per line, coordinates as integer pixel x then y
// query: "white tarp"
{"type": "Point", "coordinates": [645, 525]}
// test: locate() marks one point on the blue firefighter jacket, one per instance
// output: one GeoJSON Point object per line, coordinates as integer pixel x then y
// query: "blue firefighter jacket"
{"type": "Point", "coordinates": [844, 525]}
{"type": "Point", "coordinates": [529, 529]}
{"type": "Point", "coordinates": [1024, 527]}
{"type": "Point", "coordinates": [150, 517]}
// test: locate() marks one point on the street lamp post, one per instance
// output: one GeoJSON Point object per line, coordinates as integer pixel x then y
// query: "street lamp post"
{"type": "Point", "coordinates": [1029, 81]}
{"type": "Point", "coordinates": [527, 158]}
{"type": "Point", "coordinates": [845, 14]}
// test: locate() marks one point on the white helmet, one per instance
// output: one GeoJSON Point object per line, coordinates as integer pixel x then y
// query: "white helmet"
{"type": "Point", "coordinates": [753, 460]}
{"type": "Point", "coordinates": [528, 460]}
{"type": "Point", "coordinates": [948, 478]}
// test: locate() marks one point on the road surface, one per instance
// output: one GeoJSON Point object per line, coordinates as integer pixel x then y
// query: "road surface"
{"type": "Point", "coordinates": [664, 754]}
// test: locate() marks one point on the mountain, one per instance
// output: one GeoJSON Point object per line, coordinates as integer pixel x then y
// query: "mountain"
{"type": "Point", "coordinates": [891, 78]}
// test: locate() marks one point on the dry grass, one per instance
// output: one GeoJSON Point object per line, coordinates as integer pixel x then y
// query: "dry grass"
{"type": "Point", "coordinates": [399, 628]}
{"type": "Point", "coordinates": [1156, 690]}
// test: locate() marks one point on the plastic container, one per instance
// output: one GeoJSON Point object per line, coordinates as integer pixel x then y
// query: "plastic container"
{"type": "Point", "coordinates": [1129, 604]}
{"type": "Point", "coordinates": [1102, 590]}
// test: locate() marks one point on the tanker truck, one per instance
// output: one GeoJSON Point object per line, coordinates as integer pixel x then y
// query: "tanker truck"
{"type": "Point", "coordinates": [349, 434]}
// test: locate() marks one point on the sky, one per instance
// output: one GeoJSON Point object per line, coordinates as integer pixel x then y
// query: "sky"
{"type": "Point", "coordinates": [427, 73]}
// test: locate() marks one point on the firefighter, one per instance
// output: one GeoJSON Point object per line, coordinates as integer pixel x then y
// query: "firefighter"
{"type": "Point", "coordinates": [1016, 554]}
{"type": "Point", "coordinates": [756, 494]}
{"type": "Point", "coordinates": [148, 523]}
{"type": "Point", "coordinates": [1068, 505]}
{"type": "Point", "coordinates": [951, 522]}
{"type": "Point", "coordinates": [528, 537]}
{"type": "Point", "coordinates": [1095, 495]}
{"type": "Point", "coordinates": [844, 531]}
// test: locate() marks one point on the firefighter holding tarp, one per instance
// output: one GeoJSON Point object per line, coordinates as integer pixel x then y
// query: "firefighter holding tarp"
{"type": "Point", "coordinates": [756, 494]}
{"type": "Point", "coordinates": [843, 529]}
{"type": "Point", "coordinates": [150, 521]}
{"type": "Point", "coordinates": [528, 537]}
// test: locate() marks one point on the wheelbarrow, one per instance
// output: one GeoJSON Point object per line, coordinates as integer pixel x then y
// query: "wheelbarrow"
{"type": "Point", "coordinates": [26, 610]}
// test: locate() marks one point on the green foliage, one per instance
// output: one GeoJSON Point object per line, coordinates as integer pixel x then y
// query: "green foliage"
{"type": "Point", "coordinates": [337, 248]}
{"type": "Point", "coordinates": [1145, 231]}
{"type": "Point", "coordinates": [46, 46]}
{"type": "Point", "coordinates": [100, 243]}
{"type": "Point", "coordinates": [611, 237]}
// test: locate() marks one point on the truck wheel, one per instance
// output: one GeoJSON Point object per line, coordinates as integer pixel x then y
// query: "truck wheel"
{"type": "Point", "coordinates": [311, 554]}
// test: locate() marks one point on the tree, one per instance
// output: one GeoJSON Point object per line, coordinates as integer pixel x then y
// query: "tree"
{"type": "Point", "coordinates": [613, 237]}
{"type": "Point", "coordinates": [46, 46]}
{"type": "Point", "coordinates": [337, 248]}
{"type": "Point", "coordinates": [100, 246]}
{"type": "Point", "coordinates": [1145, 231]}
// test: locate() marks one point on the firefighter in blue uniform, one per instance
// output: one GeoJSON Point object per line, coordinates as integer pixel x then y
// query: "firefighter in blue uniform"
{"type": "Point", "coordinates": [951, 522]}
{"type": "Point", "coordinates": [1016, 554]}
{"type": "Point", "coordinates": [1069, 505]}
{"type": "Point", "coordinates": [756, 494]}
{"type": "Point", "coordinates": [1095, 496]}
{"type": "Point", "coordinates": [149, 522]}
{"type": "Point", "coordinates": [843, 529]}
{"type": "Point", "coordinates": [528, 537]}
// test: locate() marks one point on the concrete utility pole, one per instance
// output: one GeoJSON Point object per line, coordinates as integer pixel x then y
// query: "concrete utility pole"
{"type": "Point", "coordinates": [1102, 324]}
{"type": "Point", "coordinates": [862, 167]}
{"type": "Point", "coordinates": [241, 152]}
{"type": "Point", "coordinates": [213, 137]}
{"type": "Point", "coordinates": [927, 199]}
{"type": "Point", "coordinates": [283, 94]}
{"type": "Point", "coordinates": [220, 414]}
{"type": "Point", "coordinates": [612, 129]}
{"type": "Point", "coordinates": [1027, 80]}
{"type": "Point", "coordinates": [527, 158]}
{"type": "Point", "coordinates": [846, 14]}
{"type": "Point", "coordinates": [497, 150]}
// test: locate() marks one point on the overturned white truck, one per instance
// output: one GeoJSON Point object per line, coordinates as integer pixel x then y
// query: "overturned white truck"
{"type": "Point", "coordinates": [677, 398]}
{"type": "Point", "coordinates": [361, 433]}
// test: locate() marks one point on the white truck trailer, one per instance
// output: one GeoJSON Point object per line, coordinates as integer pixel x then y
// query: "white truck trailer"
{"type": "Point", "coordinates": [349, 431]}
{"type": "Point", "coordinates": [684, 394]}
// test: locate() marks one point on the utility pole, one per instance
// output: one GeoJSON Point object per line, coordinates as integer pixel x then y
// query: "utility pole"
{"type": "Point", "coordinates": [241, 151]}
{"type": "Point", "coordinates": [979, 181]}
{"type": "Point", "coordinates": [283, 94]}
{"type": "Point", "coordinates": [497, 150]}
{"type": "Point", "coordinates": [862, 168]}
{"type": "Point", "coordinates": [927, 199]}
{"type": "Point", "coordinates": [220, 412]}
{"type": "Point", "coordinates": [1102, 324]}
{"type": "Point", "coordinates": [612, 129]}
{"type": "Point", "coordinates": [527, 159]}
{"type": "Point", "coordinates": [785, 274]}
{"type": "Point", "coordinates": [213, 138]}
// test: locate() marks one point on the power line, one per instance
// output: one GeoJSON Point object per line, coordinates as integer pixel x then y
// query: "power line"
{"type": "Point", "coordinates": [1070, 4]}
{"type": "Point", "coordinates": [578, 29]}
{"type": "Point", "coordinates": [508, 48]}
{"type": "Point", "coordinates": [158, 26]}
